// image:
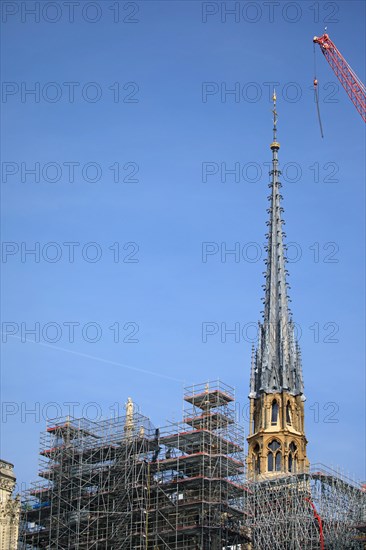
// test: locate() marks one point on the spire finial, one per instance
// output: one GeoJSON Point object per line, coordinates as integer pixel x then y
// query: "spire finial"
{"type": "Point", "coordinates": [275, 118]}
{"type": "Point", "coordinates": [274, 99]}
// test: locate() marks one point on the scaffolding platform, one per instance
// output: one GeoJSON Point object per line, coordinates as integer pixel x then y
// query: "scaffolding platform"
{"type": "Point", "coordinates": [205, 397]}
{"type": "Point", "coordinates": [216, 419]}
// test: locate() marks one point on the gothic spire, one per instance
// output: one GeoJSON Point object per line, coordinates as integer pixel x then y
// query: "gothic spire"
{"type": "Point", "coordinates": [276, 365]}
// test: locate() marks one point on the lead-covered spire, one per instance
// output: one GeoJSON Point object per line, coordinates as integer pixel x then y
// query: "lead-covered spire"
{"type": "Point", "coordinates": [276, 365]}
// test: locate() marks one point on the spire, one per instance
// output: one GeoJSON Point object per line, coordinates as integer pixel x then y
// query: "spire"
{"type": "Point", "coordinates": [277, 363]}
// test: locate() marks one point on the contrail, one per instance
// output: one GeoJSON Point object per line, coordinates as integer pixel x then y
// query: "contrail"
{"type": "Point", "coordinates": [100, 359]}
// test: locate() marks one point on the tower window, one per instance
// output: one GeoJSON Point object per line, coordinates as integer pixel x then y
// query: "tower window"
{"type": "Point", "coordinates": [291, 463]}
{"type": "Point", "coordinates": [274, 415]}
{"type": "Point", "coordinates": [256, 460]}
{"type": "Point", "coordinates": [288, 414]}
{"type": "Point", "coordinates": [256, 464]}
{"type": "Point", "coordinates": [278, 461]}
{"type": "Point", "coordinates": [270, 462]}
{"type": "Point", "coordinates": [274, 445]}
{"type": "Point", "coordinates": [292, 457]}
{"type": "Point", "coordinates": [274, 459]}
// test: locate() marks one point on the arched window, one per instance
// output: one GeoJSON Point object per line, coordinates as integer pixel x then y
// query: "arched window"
{"type": "Point", "coordinates": [256, 460]}
{"type": "Point", "coordinates": [274, 445]}
{"type": "Point", "coordinates": [288, 414]}
{"type": "Point", "coordinates": [274, 459]}
{"type": "Point", "coordinates": [292, 457]}
{"type": "Point", "coordinates": [278, 461]}
{"type": "Point", "coordinates": [270, 462]}
{"type": "Point", "coordinates": [274, 415]}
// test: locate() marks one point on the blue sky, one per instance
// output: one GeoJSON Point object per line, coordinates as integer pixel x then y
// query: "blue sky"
{"type": "Point", "coordinates": [161, 131]}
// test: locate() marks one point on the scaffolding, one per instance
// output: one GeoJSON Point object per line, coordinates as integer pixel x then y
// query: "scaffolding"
{"type": "Point", "coordinates": [93, 493]}
{"type": "Point", "coordinates": [320, 509]}
{"type": "Point", "coordinates": [121, 484]}
{"type": "Point", "coordinates": [198, 494]}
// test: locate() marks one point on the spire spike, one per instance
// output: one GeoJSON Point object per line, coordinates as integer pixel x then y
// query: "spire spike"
{"type": "Point", "coordinates": [277, 364]}
{"type": "Point", "coordinates": [275, 116]}
{"type": "Point", "coordinates": [252, 374]}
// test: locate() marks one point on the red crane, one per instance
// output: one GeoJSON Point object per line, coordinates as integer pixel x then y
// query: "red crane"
{"type": "Point", "coordinates": [346, 76]}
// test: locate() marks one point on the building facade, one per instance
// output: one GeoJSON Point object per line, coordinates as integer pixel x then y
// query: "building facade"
{"type": "Point", "coordinates": [9, 508]}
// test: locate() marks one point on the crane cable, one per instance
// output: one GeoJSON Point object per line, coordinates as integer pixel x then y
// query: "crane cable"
{"type": "Point", "coordinates": [316, 94]}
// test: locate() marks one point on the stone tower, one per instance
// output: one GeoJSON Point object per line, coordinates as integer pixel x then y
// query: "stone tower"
{"type": "Point", "coordinates": [276, 441]}
{"type": "Point", "coordinates": [9, 508]}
